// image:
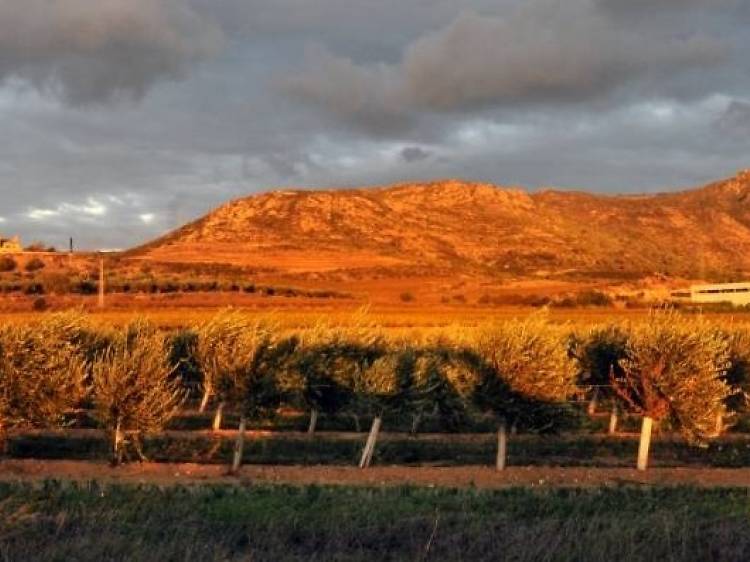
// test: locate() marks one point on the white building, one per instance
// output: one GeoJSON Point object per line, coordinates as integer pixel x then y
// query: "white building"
{"type": "Point", "coordinates": [735, 293]}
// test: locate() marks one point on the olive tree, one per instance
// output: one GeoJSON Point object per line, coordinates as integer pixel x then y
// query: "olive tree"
{"type": "Point", "coordinates": [598, 353]}
{"type": "Point", "coordinates": [219, 351]}
{"type": "Point", "coordinates": [251, 385]}
{"type": "Point", "coordinates": [528, 374]}
{"type": "Point", "coordinates": [325, 365]}
{"type": "Point", "coordinates": [737, 375]}
{"type": "Point", "coordinates": [377, 389]}
{"type": "Point", "coordinates": [42, 376]}
{"type": "Point", "coordinates": [674, 368]}
{"type": "Point", "coordinates": [439, 383]}
{"type": "Point", "coordinates": [134, 389]}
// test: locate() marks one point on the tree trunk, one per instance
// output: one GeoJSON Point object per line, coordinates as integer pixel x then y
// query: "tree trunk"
{"type": "Point", "coordinates": [218, 416]}
{"type": "Point", "coordinates": [204, 400]}
{"type": "Point", "coordinates": [645, 442]}
{"type": "Point", "coordinates": [719, 424]}
{"type": "Point", "coordinates": [357, 425]}
{"type": "Point", "coordinates": [415, 421]}
{"type": "Point", "coordinates": [369, 449]}
{"type": "Point", "coordinates": [502, 447]}
{"type": "Point", "coordinates": [613, 415]}
{"type": "Point", "coordinates": [313, 421]}
{"type": "Point", "coordinates": [117, 441]}
{"type": "Point", "coordinates": [593, 402]}
{"type": "Point", "coordinates": [239, 446]}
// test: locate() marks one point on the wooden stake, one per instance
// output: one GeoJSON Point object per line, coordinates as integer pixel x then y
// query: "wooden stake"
{"type": "Point", "coordinates": [367, 452]}
{"type": "Point", "coordinates": [613, 420]}
{"type": "Point", "coordinates": [502, 447]}
{"type": "Point", "coordinates": [645, 442]}
{"type": "Point", "coordinates": [239, 446]}
{"type": "Point", "coordinates": [218, 416]}
{"type": "Point", "coordinates": [313, 421]}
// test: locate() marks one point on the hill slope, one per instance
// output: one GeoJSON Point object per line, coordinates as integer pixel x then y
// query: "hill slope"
{"type": "Point", "coordinates": [473, 228]}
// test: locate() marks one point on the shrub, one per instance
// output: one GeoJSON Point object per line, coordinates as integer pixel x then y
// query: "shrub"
{"type": "Point", "coordinates": [7, 264]}
{"type": "Point", "coordinates": [34, 264]}
{"type": "Point", "coordinates": [674, 368]}
{"type": "Point", "coordinates": [217, 350]}
{"type": "Point", "coordinates": [42, 375]}
{"type": "Point", "coordinates": [407, 297]}
{"type": "Point", "coordinates": [531, 356]}
{"type": "Point", "coordinates": [133, 387]}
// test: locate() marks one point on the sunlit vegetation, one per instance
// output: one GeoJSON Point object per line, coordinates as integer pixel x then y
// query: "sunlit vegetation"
{"type": "Point", "coordinates": [531, 375]}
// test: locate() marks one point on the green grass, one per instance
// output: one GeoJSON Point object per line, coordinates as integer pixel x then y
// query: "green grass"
{"type": "Point", "coordinates": [90, 522]}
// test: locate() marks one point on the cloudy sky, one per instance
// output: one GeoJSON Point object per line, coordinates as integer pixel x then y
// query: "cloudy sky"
{"type": "Point", "coordinates": [120, 119]}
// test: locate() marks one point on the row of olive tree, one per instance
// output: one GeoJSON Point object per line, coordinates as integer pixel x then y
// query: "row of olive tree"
{"type": "Point", "coordinates": [520, 372]}
{"type": "Point", "coordinates": [514, 372]}
{"type": "Point", "coordinates": [51, 368]}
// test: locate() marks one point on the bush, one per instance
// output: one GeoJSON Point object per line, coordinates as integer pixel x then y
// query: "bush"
{"type": "Point", "coordinates": [407, 297]}
{"type": "Point", "coordinates": [531, 356]}
{"type": "Point", "coordinates": [674, 368]}
{"type": "Point", "coordinates": [34, 264]}
{"type": "Point", "coordinates": [7, 264]}
{"type": "Point", "coordinates": [133, 387]}
{"type": "Point", "coordinates": [42, 375]}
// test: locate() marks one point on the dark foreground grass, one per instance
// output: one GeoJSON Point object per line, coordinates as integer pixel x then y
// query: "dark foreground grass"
{"type": "Point", "coordinates": [91, 522]}
{"type": "Point", "coordinates": [285, 449]}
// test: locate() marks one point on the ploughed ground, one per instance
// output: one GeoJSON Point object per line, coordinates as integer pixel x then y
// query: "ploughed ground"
{"type": "Point", "coordinates": [165, 474]}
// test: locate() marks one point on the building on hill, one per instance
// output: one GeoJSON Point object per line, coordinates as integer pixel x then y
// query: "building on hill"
{"type": "Point", "coordinates": [10, 245]}
{"type": "Point", "coordinates": [734, 293]}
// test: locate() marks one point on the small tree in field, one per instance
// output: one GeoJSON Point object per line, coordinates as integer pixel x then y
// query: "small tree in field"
{"type": "Point", "coordinates": [531, 356]}
{"type": "Point", "coordinates": [598, 354]}
{"type": "Point", "coordinates": [42, 377]}
{"type": "Point", "coordinates": [134, 390]}
{"type": "Point", "coordinates": [529, 374]}
{"type": "Point", "coordinates": [252, 386]}
{"type": "Point", "coordinates": [737, 375]}
{"type": "Point", "coordinates": [324, 367]}
{"type": "Point", "coordinates": [674, 368]}
{"type": "Point", "coordinates": [439, 383]}
{"type": "Point", "coordinates": [377, 390]}
{"type": "Point", "coordinates": [219, 351]}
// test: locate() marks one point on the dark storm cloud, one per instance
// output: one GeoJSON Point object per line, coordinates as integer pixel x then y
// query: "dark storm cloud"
{"type": "Point", "coordinates": [92, 51]}
{"type": "Point", "coordinates": [414, 154]}
{"type": "Point", "coordinates": [735, 120]}
{"type": "Point", "coordinates": [535, 54]}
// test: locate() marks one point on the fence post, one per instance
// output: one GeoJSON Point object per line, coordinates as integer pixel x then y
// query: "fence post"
{"type": "Point", "coordinates": [644, 443]}
{"type": "Point", "coordinates": [502, 446]}
{"type": "Point", "coordinates": [239, 446]}
{"type": "Point", "coordinates": [369, 449]}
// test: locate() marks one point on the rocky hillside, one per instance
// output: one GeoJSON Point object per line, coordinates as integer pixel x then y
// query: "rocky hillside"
{"type": "Point", "coordinates": [452, 226]}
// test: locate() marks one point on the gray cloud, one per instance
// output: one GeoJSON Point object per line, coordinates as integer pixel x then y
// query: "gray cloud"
{"type": "Point", "coordinates": [86, 51]}
{"type": "Point", "coordinates": [735, 121]}
{"type": "Point", "coordinates": [534, 54]}
{"type": "Point", "coordinates": [414, 154]}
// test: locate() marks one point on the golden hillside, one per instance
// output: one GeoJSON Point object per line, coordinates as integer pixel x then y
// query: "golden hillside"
{"type": "Point", "coordinates": [474, 228]}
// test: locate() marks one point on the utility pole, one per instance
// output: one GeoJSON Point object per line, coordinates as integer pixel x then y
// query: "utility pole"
{"type": "Point", "coordinates": [101, 280]}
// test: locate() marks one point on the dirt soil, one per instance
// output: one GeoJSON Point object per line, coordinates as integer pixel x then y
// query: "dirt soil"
{"type": "Point", "coordinates": [164, 474]}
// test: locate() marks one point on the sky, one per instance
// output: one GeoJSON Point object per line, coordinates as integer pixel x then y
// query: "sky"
{"type": "Point", "coordinates": [122, 119]}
